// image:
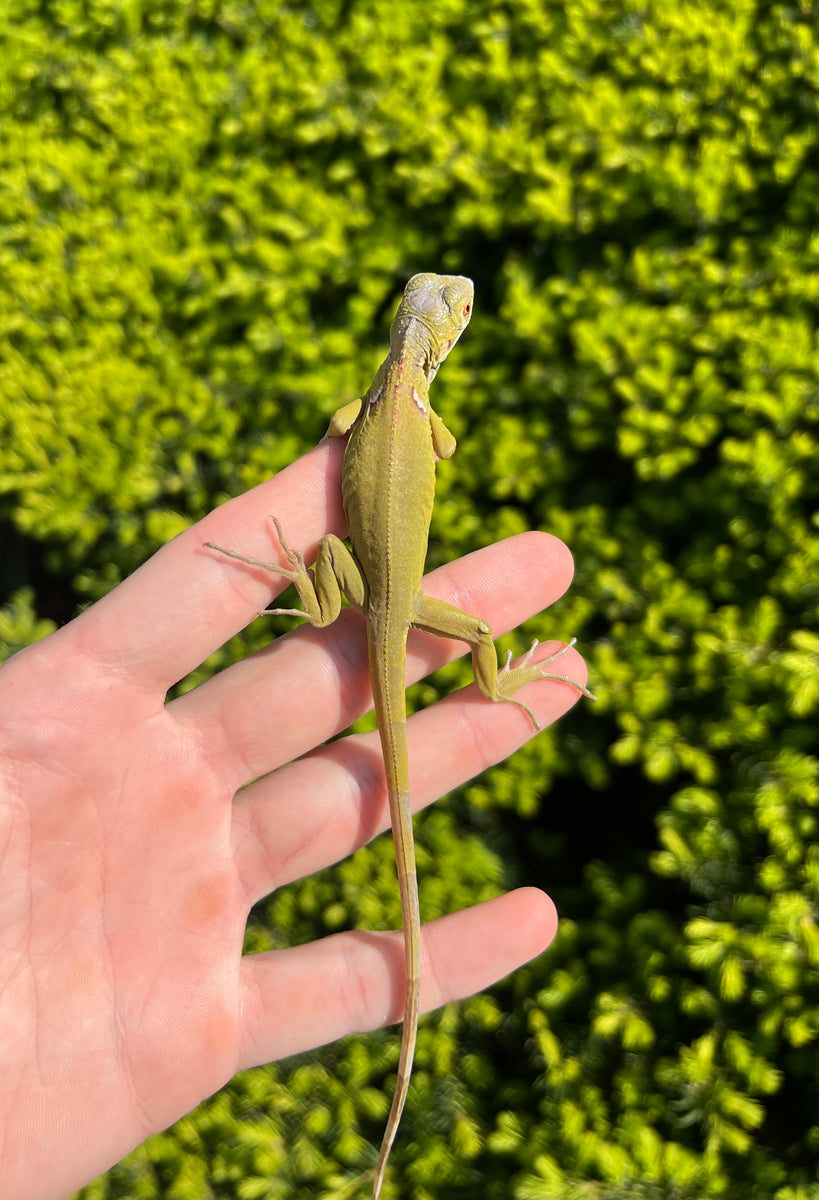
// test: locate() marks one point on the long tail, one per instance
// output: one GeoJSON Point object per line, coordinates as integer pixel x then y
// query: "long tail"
{"type": "Point", "coordinates": [391, 708]}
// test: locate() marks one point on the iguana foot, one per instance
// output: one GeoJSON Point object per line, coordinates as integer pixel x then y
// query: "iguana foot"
{"type": "Point", "coordinates": [511, 679]}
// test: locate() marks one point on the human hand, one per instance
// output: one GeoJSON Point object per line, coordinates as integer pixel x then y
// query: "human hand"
{"type": "Point", "coordinates": [130, 862]}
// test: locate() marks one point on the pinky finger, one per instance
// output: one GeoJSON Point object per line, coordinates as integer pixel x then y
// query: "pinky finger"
{"type": "Point", "coordinates": [298, 999]}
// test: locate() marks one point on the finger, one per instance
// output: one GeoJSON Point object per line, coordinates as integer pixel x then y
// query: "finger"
{"type": "Point", "coordinates": [310, 684]}
{"type": "Point", "coordinates": [321, 808]}
{"type": "Point", "coordinates": [187, 600]}
{"type": "Point", "coordinates": [352, 982]}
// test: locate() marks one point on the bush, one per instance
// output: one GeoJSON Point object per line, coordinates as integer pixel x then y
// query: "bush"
{"type": "Point", "coordinates": [207, 212]}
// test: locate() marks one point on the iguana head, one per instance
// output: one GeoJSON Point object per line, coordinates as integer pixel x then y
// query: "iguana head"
{"type": "Point", "coordinates": [442, 304]}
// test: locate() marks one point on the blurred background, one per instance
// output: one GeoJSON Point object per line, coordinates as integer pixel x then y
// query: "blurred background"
{"type": "Point", "coordinates": [208, 211]}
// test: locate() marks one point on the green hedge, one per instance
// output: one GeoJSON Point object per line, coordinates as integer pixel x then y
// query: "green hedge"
{"type": "Point", "coordinates": [207, 212]}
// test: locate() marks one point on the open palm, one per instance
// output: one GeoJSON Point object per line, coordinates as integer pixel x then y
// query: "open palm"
{"type": "Point", "coordinates": [130, 859]}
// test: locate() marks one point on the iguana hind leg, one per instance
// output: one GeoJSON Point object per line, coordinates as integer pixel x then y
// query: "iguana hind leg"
{"type": "Point", "coordinates": [335, 573]}
{"type": "Point", "coordinates": [500, 684]}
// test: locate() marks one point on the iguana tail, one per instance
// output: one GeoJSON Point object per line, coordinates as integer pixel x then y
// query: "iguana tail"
{"type": "Point", "coordinates": [390, 705]}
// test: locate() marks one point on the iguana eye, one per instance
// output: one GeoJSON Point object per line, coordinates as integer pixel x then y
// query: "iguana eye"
{"type": "Point", "coordinates": [467, 309]}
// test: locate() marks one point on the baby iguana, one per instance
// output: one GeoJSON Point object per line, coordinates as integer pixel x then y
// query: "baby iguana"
{"type": "Point", "coordinates": [388, 486]}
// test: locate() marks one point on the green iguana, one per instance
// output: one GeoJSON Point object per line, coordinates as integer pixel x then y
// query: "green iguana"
{"type": "Point", "coordinates": [388, 487]}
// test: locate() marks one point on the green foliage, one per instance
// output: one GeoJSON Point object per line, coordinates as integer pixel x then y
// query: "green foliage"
{"type": "Point", "coordinates": [207, 212]}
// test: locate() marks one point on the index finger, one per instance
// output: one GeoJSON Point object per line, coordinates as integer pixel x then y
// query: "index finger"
{"type": "Point", "coordinates": [186, 601]}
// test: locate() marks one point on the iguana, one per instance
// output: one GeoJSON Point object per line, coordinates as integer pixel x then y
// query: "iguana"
{"type": "Point", "coordinates": [388, 487]}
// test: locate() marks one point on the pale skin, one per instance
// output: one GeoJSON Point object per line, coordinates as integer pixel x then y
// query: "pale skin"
{"type": "Point", "coordinates": [388, 486]}
{"type": "Point", "coordinates": [129, 862]}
